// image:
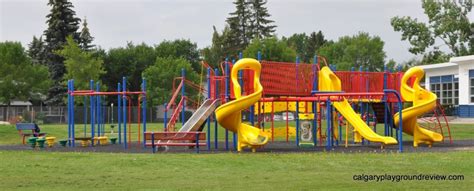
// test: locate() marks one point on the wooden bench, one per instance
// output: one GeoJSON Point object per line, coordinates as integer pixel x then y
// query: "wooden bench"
{"type": "Point", "coordinates": [33, 127]}
{"type": "Point", "coordinates": [192, 138]}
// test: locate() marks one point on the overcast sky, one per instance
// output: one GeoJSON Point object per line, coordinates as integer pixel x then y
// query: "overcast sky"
{"type": "Point", "coordinates": [114, 22]}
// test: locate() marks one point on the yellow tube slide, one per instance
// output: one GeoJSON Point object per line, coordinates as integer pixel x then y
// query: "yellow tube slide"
{"type": "Point", "coordinates": [328, 81]}
{"type": "Point", "coordinates": [423, 101]}
{"type": "Point", "coordinates": [229, 114]}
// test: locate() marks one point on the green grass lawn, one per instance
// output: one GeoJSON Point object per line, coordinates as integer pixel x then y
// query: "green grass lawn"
{"type": "Point", "coordinates": [31, 170]}
{"type": "Point", "coordinates": [34, 170]}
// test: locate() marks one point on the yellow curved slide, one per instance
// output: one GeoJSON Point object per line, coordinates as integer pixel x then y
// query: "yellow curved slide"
{"type": "Point", "coordinates": [328, 81]}
{"type": "Point", "coordinates": [423, 101]}
{"type": "Point", "coordinates": [229, 114]}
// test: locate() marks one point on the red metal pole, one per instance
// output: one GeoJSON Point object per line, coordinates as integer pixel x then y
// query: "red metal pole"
{"type": "Point", "coordinates": [287, 121]}
{"type": "Point", "coordinates": [129, 120]}
{"type": "Point", "coordinates": [139, 111]}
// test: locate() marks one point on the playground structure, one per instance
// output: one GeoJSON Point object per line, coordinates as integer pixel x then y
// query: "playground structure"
{"type": "Point", "coordinates": [254, 90]}
{"type": "Point", "coordinates": [97, 122]}
{"type": "Point", "coordinates": [310, 91]}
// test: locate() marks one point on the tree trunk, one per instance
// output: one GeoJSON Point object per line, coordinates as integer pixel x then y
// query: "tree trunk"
{"type": "Point", "coordinates": [5, 109]}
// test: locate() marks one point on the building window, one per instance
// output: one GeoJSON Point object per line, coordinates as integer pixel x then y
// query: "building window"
{"type": "Point", "coordinates": [446, 89]}
{"type": "Point", "coordinates": [447, 96]}
{"type": "Point", "coordinates": [456, 93]}
{"type": "Point", "coordinates": [436, 89]}
{"type": "Point", "coordinates": [472, 89]}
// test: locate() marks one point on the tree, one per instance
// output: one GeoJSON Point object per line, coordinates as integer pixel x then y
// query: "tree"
{"type": "Point", "coordinates": [298, 42]}
{"type": "Point", "coordinates": [85, 37]}
{"type": "Point", "coordinates": [355, 51]}
{"type": "Point", "coordinates": [19, 78]}
{"type": "Point", "coordinates": [306, 46]}
{"type": "Point", "coordinates": [36, 51]}
{"type": "Point", "coordinates": [219, 49]}
{"type": "Point", "coordinates": [129, 62]}
{"type": "Point", "coordinates": [160, 75]}
{"type": "Point", "coordinates": [448, 22]}
{"type": "Point", "coordinates": [62, 22]}
{"type": "Point", "coordinates": [239, 25]}
{"type": "Point", "coordinates": [271, 49]}
{"type": "Point", "coordinates": [315, 41]}
{"type": "Point", "coordinates": [260, 25]}
{"type": "Point", "coordinates": [180, 48]}
{"type": "Point", "coordinates": [81, 65]}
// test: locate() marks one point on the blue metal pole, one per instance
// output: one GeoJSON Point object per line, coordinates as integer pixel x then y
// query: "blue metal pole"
{"type": "Point", "coordinates": [97, 103]}
{"type": "Point", "coordinates": [385, 85]}
{"type": "Point", "coordinates": [119, 115]}
{"type": "Point", "coordinates": [183, 110]}
{"type": "Point", "coordinates": [69, 112]}
{"type": "Point", "coordinates": [297, 123]}
{"type": "Point", "coordinates": [329, 121]}
{"type": "Point", "coordinates": [73, 125]}
{"type": "Point", "coordinates": [216, 143]}
{"type": "Point", "coordinates": [226, 93]}
{"type": "Point", "coordinates": [234, 135]}
{"type": "Point", "coordinates": [124, 111]}
{"type": "Point", "coordinates": [91, 84]}
{"type": "Point", "coordinates": [144, 109]}
{"type": "Point", "coordinates": [297, 107]}
{"type": "Point", "coordinates": [400, 124]}
{"type": "Point", "coordinates": [208, 120]}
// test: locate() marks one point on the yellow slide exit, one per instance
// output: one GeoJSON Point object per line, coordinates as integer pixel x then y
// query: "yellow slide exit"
{"type": "Point", "coordinates": [328, 81]}
{"type": "Point", "coordinates": [229, 114]}
{"type": "Point", "coordinates": [423, 101]}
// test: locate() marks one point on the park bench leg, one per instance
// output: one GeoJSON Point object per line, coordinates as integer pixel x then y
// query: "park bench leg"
{"type": "Point", "coordinates": [197, 142]}
{"type": "Point", "coordinates": [153, 143]}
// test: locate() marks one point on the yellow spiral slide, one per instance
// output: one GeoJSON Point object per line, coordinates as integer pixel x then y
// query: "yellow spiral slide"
{"type": "Point", "coordinates": [423, 101]}
{"type": "Point", "coordinates": [328, 81]}
{"type": "Point", "coordinates": [229, 114]}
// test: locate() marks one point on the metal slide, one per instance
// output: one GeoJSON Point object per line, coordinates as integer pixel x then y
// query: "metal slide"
{"type": "Point", "coordinates": [197, 120]}
{"type": "Point", "coordinates": [195, 123]}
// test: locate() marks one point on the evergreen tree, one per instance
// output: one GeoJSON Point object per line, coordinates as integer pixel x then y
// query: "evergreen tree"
{"type": "Point", "coordinates": [36, 50]}
{"type": "Point", "coordinates": [239, 26]}
{"type": "Point", "coordinates": [315, 41]}
{"type": "Point", "coordinates": [62, 22]}
{"type": "Point", "coordinates": [260, 26]}
{"type": "Point", "coordinates": [86, 38]}
{"type": "Point", "coordinates": [219, 49]}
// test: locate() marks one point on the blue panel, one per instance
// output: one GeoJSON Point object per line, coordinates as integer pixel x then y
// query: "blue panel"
{"type": "Point", "coordinates": [447, 78]}
{"type": "Point", "coordinates": [463, 111]}
{"type": "Point", "coordinates": [435, 79]}
{"type": "Point", "coordinates": [471, 73]}
{"type": "Point", "coordinates": [466, 111]}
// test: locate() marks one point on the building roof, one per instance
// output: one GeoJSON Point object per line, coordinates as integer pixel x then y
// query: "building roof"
{"type": "Point", "coordinates": [18, 103]}
{"type": "Point", "coordinates": [436, 66]}
{"type": "Point", "coordinates": [462, 59]}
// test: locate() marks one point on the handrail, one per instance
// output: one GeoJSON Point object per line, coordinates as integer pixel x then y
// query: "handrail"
{"type": "Point", "coordinates": [400, 124]}
{"type": "Point", "coordinates": [175, 114]}
{"type": "Point", "coordinates": [175, 94]}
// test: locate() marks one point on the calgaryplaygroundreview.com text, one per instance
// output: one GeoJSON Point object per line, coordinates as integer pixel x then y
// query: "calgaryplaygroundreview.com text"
{"type": "Point", "coordinates": [406, 177]}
